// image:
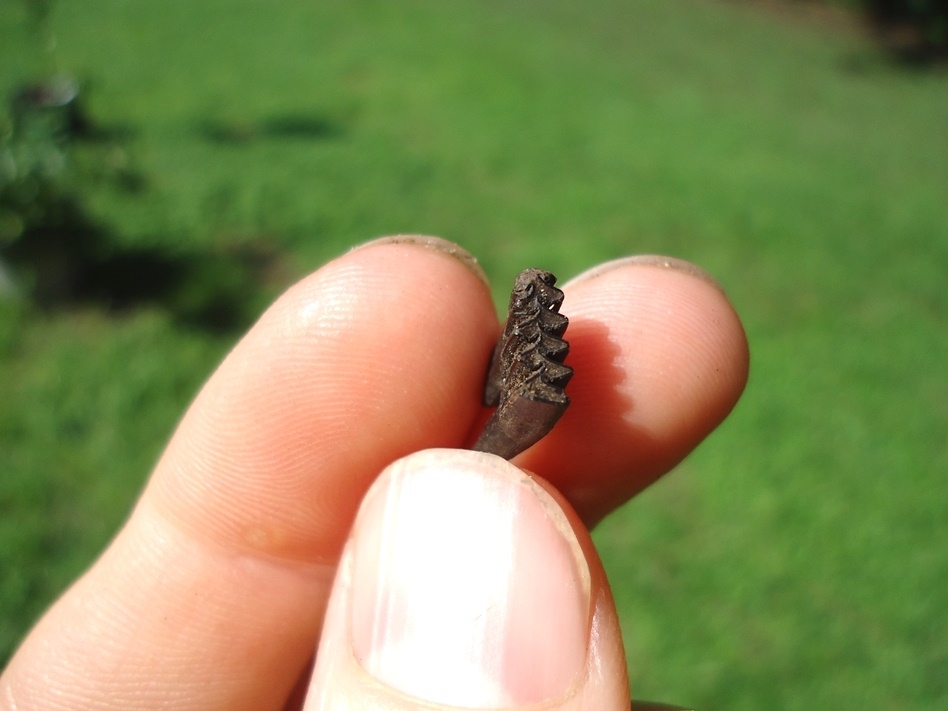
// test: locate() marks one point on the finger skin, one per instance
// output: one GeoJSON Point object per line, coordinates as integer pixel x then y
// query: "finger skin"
{"type": "Point", "coordinates": [341, 682]}
{"type": "Point", "coordinates": [213, 594]}
{"type": "Point", "coordinates": [660, 358]}
{"type": "Point", "coordinates": [381, 353]}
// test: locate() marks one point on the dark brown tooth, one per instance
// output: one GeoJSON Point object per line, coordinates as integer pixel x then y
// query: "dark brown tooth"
{"type": "Point", "coordinates": [517, 424]}
{"type": "Point", "coordinates": [527, 376]}
{"type": "Point", "coordinates": [554, 348]}
{"type": "Point", "coordinates": [553, 323]}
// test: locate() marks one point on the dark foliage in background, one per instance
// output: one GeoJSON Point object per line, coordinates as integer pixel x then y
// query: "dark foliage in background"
{"type": "Point", "coordinates": [54, 250]}
{"type": "Point", "coordinates": [913, 31]}
{"type": "Point", "coordinates": [52, 155]}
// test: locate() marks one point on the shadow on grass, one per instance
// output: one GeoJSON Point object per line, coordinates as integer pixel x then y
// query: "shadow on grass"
{"type": "Point", "coordinates": [58, 255]}
{"type": "Point", "coordinates": [76, 262]}
{"type": "Point", "coordinates": [914, 33]}
{"type": "Point", "coordinates": [301, 127]}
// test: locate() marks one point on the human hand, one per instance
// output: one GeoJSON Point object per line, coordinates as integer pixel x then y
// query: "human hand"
{"type": "Point", "coordinates": [463, 581]}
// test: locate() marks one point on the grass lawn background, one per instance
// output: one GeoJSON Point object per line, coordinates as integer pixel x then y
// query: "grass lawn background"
{"type": "Point", "coordinates": [797, 560]}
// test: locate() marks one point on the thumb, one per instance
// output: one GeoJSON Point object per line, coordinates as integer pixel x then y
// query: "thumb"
{"type": "Point", "coordinates": [467, 583]}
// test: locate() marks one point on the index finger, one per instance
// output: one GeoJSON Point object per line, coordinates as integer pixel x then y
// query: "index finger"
{"type": "Point", "coordinates": [378, 354]}
{"type": "Point", "coordinates": [213, 594]}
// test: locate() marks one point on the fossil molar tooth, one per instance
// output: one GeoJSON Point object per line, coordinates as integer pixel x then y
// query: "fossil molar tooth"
{"type": "Point", "coordinates": [527, 376]}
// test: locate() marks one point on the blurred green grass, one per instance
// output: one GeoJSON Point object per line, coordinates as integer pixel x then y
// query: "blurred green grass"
{"type": "Point", "coordinates": [797, 559]}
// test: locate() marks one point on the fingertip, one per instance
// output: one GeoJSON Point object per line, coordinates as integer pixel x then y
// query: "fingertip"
{"type": "Point", "coordinates": [379, 353]}
{"type": "Point", "coordinates": [650, 260]}
{"type": "Point", "coordinates": [465, 583]}
{"type": "Point", "coordinates": [690, 351]}
{"type": "Point", "coordinates": [436, 244]}
{"type": "Point", "coordinates": [660, 358]}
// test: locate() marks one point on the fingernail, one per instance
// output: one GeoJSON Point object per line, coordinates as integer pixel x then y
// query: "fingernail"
{"type": "Point", "coordinates": [469, 586]}
{"type": "Point", "coordinates": [651, 260]}
{"type": "Point", "coordinates": [434, 243]}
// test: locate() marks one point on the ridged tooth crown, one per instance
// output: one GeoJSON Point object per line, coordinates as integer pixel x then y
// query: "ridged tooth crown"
{"type": "Point", "coordinates": [527, 375]}
{"type": "Point", "coordinates": [532, 350]}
